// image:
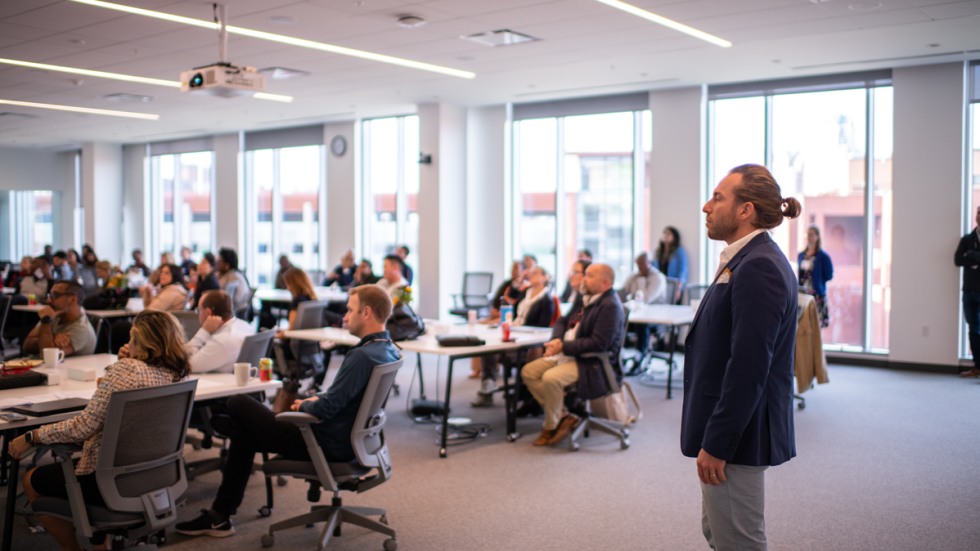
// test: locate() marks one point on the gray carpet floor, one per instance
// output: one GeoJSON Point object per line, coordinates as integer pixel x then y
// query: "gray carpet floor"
{"type": "Point", "coordinates": [886, 460]}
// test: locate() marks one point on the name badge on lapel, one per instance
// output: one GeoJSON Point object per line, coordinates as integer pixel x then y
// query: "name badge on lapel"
{"type": "Point", "coordinates": [725, 277]}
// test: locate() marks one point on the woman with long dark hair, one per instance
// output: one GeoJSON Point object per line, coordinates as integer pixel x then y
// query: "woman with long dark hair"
{"type": "Point", "coordinates": [815, 270]}
{"type": "Point", "coordinates": [169, 294]}
{"type": "Point", "coordinates": [671, 258]}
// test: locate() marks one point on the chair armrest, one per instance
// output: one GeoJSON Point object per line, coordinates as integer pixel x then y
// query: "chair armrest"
{"type": "Point", "coordinates": [599, 355]}
{"type": "Point", "coordinates": [297, 418]}
{"type": "Point", "coordinates": [63, 449]}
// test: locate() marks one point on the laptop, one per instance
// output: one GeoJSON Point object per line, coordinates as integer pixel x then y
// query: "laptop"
{"type": "Point", "coordinates": [53, 407]}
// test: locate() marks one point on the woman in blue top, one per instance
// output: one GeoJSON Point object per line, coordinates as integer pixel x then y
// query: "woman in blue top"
{"type": "Point", "coordinates": [671, 259]}
{"type": "Point", "coordinates": [815, 270]}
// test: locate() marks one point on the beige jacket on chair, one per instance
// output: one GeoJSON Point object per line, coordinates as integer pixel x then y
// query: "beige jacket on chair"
{"type": "Point", "coordinates": [811, 363]}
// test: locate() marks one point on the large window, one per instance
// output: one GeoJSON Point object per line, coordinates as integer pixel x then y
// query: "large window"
{"type": "Point", "coordinates": [971, 198]}
{"type": "Point", "coordinates": [283, 204]}
{"type": "Point", "coordinates": [28, 221]}
{"type": "Point", "coordinates": [180, 190]}
{"type": "Point", "coordinates": [391, 186]}
{"type": "Point", "coordinates": [831, 149]}
{"type": "Point", "coordinates": [579, 183]}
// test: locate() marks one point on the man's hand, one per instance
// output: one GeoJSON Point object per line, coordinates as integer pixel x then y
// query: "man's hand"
{"type": "Point", "coordinates": [552, 347]}
{"type": "Point", "coordinates": [123, 352]}
{"type": "Point", "coordinates": [47, 311]}
{"type": "Point", "coordinates": [212, 324]}
{"type": "Point", "coordinates": [62, 340]}
{"type": "Point", "coordinates": [711, 470]}
{"type": "Point", "coordinates": [297, 403]}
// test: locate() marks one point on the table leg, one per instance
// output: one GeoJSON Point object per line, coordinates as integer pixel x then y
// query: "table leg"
{"type": "Point", "coordinates": [4, 457]}
{"type": "Point", "coordinates": [670, 359]}
{"type": "Point", "coordinates": [445, 411]}
{"type": "Point", "coordinates": [8, 515]}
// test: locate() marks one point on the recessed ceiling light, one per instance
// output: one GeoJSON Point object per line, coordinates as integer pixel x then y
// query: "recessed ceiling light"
{"type": "Point", "coordinates": [409, 21]}
{"type": "Point", "coordinates": [127, 98]}
{"type": "Point", "coordinates": [500, 37]}
{"type": "Point", "coordinates": [283, 39]}
{"type": "Point", "coordinates": [864, 6]}
{"type": "Point", "coordinates": [283, 73]}
{"type": "Point", "coordinates": [669, 23]}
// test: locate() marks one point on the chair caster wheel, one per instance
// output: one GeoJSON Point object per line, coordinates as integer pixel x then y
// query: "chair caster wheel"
{"type": "Point", "coordinates": [390, 544]}
{"type": "Point", "coordinates": [574, 447]}
{"type": "Point", "coordinates": [265, 511]}
{"type": "Point", "coordinates": [442, 453]}
{"type": "Point", "coordinates": [512, 437]}
{"type": "Point", "coordinates": [268, 540]}
{"type": "Point", "coordinates": [281, 481]}
{"type": "Point", "coordinates": [801, 406]}
{"type": "Point", "coordinates": [625, 444]}
{"type": "Point", "coordinates": [383, 519]}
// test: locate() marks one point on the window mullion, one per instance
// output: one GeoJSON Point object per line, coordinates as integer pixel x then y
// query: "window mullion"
{"type": "Point", "coordinates": [560, 219]}
{"type": "Point", "coordinates": [869, 214]}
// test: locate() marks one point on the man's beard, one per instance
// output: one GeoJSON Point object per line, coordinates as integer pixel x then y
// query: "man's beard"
{"type": "Point", "coordinates": [722, 228]}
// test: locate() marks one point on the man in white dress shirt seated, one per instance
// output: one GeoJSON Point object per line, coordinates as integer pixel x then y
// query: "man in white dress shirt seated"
{"type": "Point", "coordinates": [215, 347]}
{"type": "Point", "coordinates": [646, 285]}
{"type": "Point", "coordinates": [392, 280]}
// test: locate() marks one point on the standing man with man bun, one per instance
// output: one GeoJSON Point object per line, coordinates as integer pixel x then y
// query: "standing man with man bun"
{"type": "Point", "coordinates": [738, 369]}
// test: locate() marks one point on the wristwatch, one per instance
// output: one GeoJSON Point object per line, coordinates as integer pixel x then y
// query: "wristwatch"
{"type": "Point", "coordinates": [29, 438]}
{"type": "Point", "coordinates": [46, 319]}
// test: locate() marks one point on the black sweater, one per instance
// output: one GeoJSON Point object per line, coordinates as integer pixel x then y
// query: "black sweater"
{"type": "Point", "coordinates": [968, 257]}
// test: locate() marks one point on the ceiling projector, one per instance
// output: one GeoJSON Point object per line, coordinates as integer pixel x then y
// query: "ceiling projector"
{"type": "Point", "coordinates": [222, 79]}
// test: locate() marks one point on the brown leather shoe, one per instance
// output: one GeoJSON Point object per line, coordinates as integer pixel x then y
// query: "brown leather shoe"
{"type": "Point", "coordinates": [567, 425]}
{"type": "Point", "coordinates": [544, 437]}
{"type": "Point", "coordinates": [970, 373]}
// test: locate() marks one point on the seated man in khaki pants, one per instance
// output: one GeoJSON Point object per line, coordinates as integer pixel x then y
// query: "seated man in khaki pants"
{"type": "Point", "coordinates": [594, 324]}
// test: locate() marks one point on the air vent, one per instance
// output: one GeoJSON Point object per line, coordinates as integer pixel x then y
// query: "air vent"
{"type": "Point", "coordinates": [283, 73]}
{"type": "Point", "coordinates": [502, 37]}
{"type": "Point", "coordinates": [127, 98]}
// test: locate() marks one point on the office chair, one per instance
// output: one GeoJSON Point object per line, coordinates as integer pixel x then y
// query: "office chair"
{"type": "Point", "coordinates": [254, 348]}
{"type": "Point", "coordinates": [371, 467]}
{"type": "Point", "coordinates": [307, 357]}
{"type": "Point", "coordinates": [614, 380]}
{"type": "Point", "coordinates": [140, 470]}
{"type": "Point", "coordinates": [477, 288]}
{"type": "Point", "coordinates": [189, 321]}
{"type": "Point", "coordinates": [7, 348]}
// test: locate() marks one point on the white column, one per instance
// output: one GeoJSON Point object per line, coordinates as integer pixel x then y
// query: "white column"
{"type": "Point", "coordinates": [442, 207]}
{"type": "Point", "coordinates": [339, 231]}
{"type": "Point", "coordinates": [677, 169]}
{"type": "Point", "coordinates": [228, 202]}
{"type": "Point", "coordinates": [134, 217]}
{"type": "Point", "coordinates": [487, 212]}
{"type": "Point", "coordinates": [927, 180]}
{"type": "Point", "coordinates": [102, 196]}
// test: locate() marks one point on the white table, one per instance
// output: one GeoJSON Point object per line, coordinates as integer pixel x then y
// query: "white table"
{"type": "Point", "coordinates": [8, 290]}
{"type": "Point", "coordinates": [330, 294]}
{"type": "Point", "coordinates": [672, 315]}
{"type": "Point", "coordinates": [27, 307]}
{"type": "Point", "coordinates": [427, 344]}
{"type": "Point", "coordinates": [210, 386]}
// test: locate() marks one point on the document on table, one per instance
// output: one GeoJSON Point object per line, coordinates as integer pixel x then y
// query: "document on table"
{"type": "Point", "coordinates": [40, 398]}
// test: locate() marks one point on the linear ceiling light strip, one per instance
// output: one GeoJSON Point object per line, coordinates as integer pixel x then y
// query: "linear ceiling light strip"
{"type": "Point", "coordinates": [283, 39]}
{"type": "Point", "coordinates": [661, 20]}
{"type": "Point", "coordinates": [87, 110]}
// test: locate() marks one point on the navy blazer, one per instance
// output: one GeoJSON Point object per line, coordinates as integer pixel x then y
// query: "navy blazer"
{"type": "Point", "coordinates": [600, 330]}
{"type": "Point", "coordinates": [738, 363]}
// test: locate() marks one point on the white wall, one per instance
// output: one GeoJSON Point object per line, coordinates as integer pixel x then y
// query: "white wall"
{"type": "Point", "coordinates": [927, 181]}
{"type": "Point", "coordinates": [28, 169]}
{"type": "Point", "coordinates": [677, 168]}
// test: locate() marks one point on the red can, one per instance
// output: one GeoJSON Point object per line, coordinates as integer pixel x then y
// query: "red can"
{"type": "Point", "coordinates": [265, 369]}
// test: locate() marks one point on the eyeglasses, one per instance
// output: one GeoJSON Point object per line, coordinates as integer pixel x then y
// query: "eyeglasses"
{"type": "Point", "coordinates": [57, 295]}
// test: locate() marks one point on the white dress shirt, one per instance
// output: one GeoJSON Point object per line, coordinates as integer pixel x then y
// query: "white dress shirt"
{"type": "Point", "coordinates": [729, 252]}
{"type": "Point", "coordinates": [218, 351]}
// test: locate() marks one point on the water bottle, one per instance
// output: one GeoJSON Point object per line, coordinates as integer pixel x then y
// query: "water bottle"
{"type": "Point", "coordinates": [505, 310]}
{"type": "Point", "coordinates": [505, 326]}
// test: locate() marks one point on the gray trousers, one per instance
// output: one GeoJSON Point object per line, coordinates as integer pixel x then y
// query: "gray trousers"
{"type": "Point", "coordinates": [733, 514]}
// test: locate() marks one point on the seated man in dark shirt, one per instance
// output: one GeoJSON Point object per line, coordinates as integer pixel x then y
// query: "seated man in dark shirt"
{"type": "Point", "coordinates": [255, 428]}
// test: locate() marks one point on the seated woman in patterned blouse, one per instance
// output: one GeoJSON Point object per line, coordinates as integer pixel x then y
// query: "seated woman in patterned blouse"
{"type": "Point", "coordinates": [155, 356]}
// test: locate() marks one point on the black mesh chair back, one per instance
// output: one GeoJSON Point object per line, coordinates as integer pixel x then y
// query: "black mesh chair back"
{"type": "Point", "coordinates": [477, 287]}
{"type": "Point", "coordinates": [90, 280]}
{"type": "Point", "coordinates": [140, 470]}
{"type": "Point", "coordinates": [188, 321]}
{"type": "Point", "coordinates": [675, 290]}
{"type": "Point", "coordinates": [255, 347]}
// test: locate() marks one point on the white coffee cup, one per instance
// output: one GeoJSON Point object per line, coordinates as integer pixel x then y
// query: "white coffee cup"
{"type": "Point", "coordinates": [244, 372]}
{"type": "Point", "coordinates": [52, 357]}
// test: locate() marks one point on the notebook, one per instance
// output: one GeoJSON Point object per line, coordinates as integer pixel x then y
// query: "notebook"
{"type": "Point", "coordinates": [51, 408]}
